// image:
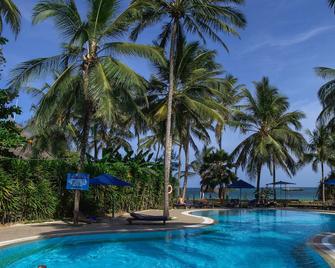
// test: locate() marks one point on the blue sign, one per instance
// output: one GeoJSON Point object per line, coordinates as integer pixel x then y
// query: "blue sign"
{"type": "Point", "coordinates": [77, 181]}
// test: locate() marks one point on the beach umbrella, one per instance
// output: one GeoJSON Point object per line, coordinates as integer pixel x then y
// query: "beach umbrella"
{"type": "Point", "coordinates": [106, 179]}
{"type": "Point", "coordinates": [280, 183]}
{"type": "Point", "coordinates": [240, 184]}
{"type": "Point", "coordinates": [330, 182]}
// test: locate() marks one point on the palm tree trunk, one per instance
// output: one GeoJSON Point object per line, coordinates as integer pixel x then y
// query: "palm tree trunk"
{"type": "Point", "coordinates": [258, 183]}
{"type": "Point", "coordinates": [86, 125]}
{"type": "Point", "coordinates": [158, 151]}
{"type": "Point", "coordinates": [323, 183]}
{"type": "Point", "coordinates": [179, 168]}
{"type": "Point", "coordinates": [168, 136]}
{"type": "Point", "coordinates": [274, 180]}
{"type": "Point", "coordinates": [187, 145]}
{"type": "Point", "coordinates": [95, 142]}
{"type": "Point", "coordinates": [83, 147]}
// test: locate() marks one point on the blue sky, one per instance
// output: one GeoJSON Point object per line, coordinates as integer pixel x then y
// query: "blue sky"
{"type": "Point", "coordinates": [284, 40]}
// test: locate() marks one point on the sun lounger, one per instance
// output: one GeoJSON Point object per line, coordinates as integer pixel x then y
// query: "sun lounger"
{"type": "Point", "coordinates": [148, 218]}
{"type": "Point", "coordinates": [183, 205]}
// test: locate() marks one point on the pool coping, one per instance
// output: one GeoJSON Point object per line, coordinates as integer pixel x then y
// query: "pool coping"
{"type": "Point", "coordinates": [321, 243]}
{"type": "Point", "coordinates": [205, 222]}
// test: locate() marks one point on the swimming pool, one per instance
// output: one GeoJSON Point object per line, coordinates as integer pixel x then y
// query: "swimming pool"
{"type": "Point", "coordinates": [241, 238]}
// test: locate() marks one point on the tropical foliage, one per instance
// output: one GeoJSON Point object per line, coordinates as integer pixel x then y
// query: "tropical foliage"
{"type": "Point", "coordinates": [200, 18]}
{"type": "Point", "coordinates": [33, 190]}
{"type": "Point", "coordinates": [10, 14]}
{"type": "Point", "coordinates": [200, 98]}
{"type": "Point", "coordinates": [320, 152]}
{"type": "Point", "coordinates": [217, 170]}
{"type": "Point", "coordinates": [274, 139]}
{"type": "Point", "coordinates": [90, 81]}
{"type": "Point", "coordinates": [93, 108]}
{"type": "Point", "coordinates": [10, 133]}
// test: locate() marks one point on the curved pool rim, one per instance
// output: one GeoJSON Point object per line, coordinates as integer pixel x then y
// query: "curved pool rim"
{"type": "Point", "coordinates": [205, 222]}
{"type": "Point", "coordinates": [328, 255]}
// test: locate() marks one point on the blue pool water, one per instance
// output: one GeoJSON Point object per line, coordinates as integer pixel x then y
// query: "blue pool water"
{"type": "Point", "coordinates": [241, 238]}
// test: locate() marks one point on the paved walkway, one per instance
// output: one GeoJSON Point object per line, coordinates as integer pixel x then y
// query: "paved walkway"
{"type": "Point", "coordinates": [27, 232]}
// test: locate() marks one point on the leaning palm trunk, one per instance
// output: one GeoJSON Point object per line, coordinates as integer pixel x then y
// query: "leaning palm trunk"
{"type": "Point", "coordinates": [258, 183]}
{"type": "Point", "coordinates": [179, 169]}
{"type": "Point", "coordinates": [186, 169]}
{"type": "Point", "coordinates": [323, 183]}
{"type": "Point", "coordinates": [274, 180]}
{"type": "Point", "coordinates": [168, 136]}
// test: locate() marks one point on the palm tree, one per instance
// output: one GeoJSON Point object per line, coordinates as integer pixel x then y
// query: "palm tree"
{"type": "Point", "coordinates": [88, 73]}
{"type": "Point", "coordinates": [326, 95]}
{"type": "Point", "coordinates": [11, 15]}
{"type": "Point", "coordinates": [230, 95]}
{"type": "Point", "coordinates": [319, 152]}
{"type": "Point", "coordinates": [217, 171]}
{"type": "Point", "coordinates": [195, 105]}
{"type": "Point", "coordinates": [274, 139]}
{"type": "Point", "coordinates": [206, 17]}
{"type": "Point", "coordinates": [331, 4]}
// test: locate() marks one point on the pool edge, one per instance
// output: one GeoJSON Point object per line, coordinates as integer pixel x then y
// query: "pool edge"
{"type": "Point", "coordinates": [206, 221]}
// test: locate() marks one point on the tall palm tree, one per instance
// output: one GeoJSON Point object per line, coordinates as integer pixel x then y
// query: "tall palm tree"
{"type": "Point", "coordinates": [274, 139]}
{"type": "Point", "coordinates": [319, 152]}
{"type": "Point", "coordinates": [195, 105]}
{"type": "Point", "coordinates": [206, 17]}
{"type": "Point", "coordinates": [88, 72]}
{"type": "Point", "coordinates": [10, 14]}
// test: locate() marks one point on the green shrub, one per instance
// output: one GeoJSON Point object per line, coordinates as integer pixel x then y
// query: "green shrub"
{"type": "Point", "coordinates": [35, 190]}
{"type": "Point", "coordinates": [9, 200]}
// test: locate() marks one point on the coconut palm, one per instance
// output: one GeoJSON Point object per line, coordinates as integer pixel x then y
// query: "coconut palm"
{"type": "Point", "coordinates": [230, 95]}
{"type": "Point", "coordinates": [10, 14]}
{"type": "Point", "coordinates": [217, 171]}
{"type": "Point", "coordinates": [89, 75]}
{"type": "Point", "coordinates": [319, 152]}
{"type": "Point", "coordinates": [274, 139]}
{"type": "Point", "coordinates": [326, 95]}
{"type": "Point", "coordinates": [331, 4]}
{"type": "Point", "coordinates": [195, 104]}
{"type": "Point", "coordinates": [201, 18]}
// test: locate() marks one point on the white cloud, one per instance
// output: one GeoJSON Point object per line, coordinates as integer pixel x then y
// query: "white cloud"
{"type": "Point", "coordinates": [297, 39]}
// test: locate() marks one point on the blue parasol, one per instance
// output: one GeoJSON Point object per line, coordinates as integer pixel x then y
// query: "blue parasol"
{"type": "Point", "coordinates": [240, 184]}
{"type": "Point", "coordinates": [106, 179]}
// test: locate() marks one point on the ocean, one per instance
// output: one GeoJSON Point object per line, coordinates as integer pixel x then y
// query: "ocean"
{"type": "Point", "coordinates": [306, 193]}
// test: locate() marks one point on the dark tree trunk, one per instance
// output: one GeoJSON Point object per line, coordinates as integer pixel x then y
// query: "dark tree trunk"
{"type": "Point", "coordinates": [274, 180]}
{"type": "Point", "coordinates": [95, 142]}
{"type": "Point", "coordinates": [179, 168]}
{"type": "Point", "coordinates": [91, 55]}
{"type": "Point", "coordinates": [258, 183]}
{"type": "Point", "coordinates": [168, 136]}
{"type": "Point", "coordinates": [186, 164]}
{"type": "Point", "coordinates": [323, 183]}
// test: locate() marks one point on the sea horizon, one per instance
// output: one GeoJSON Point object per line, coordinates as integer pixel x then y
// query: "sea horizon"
{"type": "Point", "coordinates": [307, 193]}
